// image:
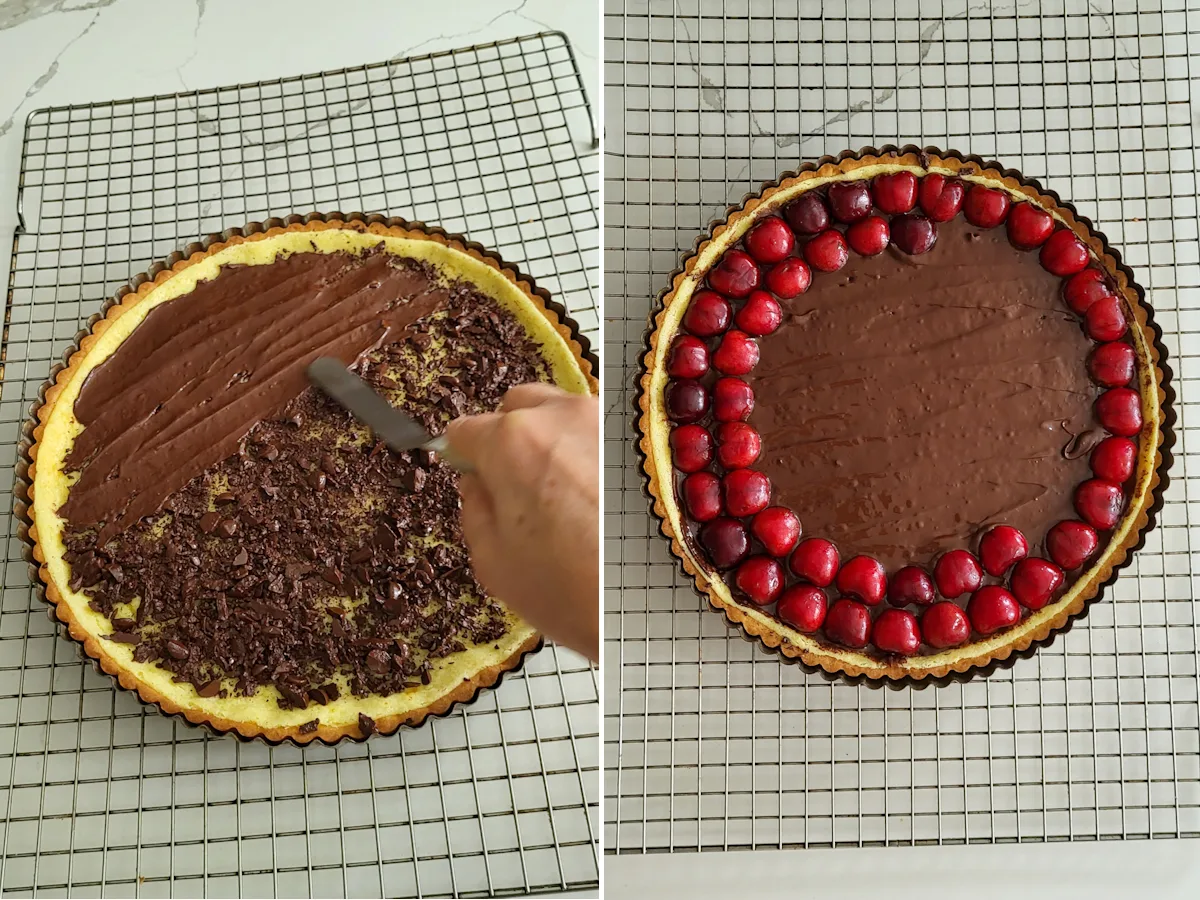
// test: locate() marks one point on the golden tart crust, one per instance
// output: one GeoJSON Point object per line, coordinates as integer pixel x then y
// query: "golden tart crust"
{"type": "Point", "coordinates": [49, 438]}
{"type": "Point", "coordinates": [653, 427]}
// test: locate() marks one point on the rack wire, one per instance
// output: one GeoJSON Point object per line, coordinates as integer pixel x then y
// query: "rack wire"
{"type": "Point", "coordinates": [101, 796]}
{"type": "Point", "coordinates": [711, 745]}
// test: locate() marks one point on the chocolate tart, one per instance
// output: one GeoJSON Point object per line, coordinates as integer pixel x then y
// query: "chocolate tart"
{"type": "Point", "coordinates": [224, 540]}
{"type": "Point", "coordinates": [869, 405]}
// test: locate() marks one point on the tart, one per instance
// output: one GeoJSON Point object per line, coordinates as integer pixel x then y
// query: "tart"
{"type": "Point", "coordinates": [902, 415]}
{"type": "Point", "coordinates": [230, 544]}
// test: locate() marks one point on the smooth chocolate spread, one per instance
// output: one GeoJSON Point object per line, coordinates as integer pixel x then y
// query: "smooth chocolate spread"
{"type": "Point", "coordinates": [199, 371]}
{"type": "Point", "coordinates": [908, 401]}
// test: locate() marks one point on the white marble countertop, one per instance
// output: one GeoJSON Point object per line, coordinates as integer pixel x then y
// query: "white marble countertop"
{"type": "Point", "coordinates": [76, 51]}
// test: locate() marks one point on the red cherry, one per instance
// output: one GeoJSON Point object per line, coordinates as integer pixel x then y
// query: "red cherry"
{"type": "Point", "coordinates": [985, 207]}
{"type": "Point", "coordinates": [1119, 410]}
{"type": "Point", "coordinates": [808, 213]}
{"type": "Point", "coordinates": [746, 492]}
{"type": "Point", "coordinates": [760, 315]}
{"type": "Point", "coordinates": [770, 240]}
{"type": "Point", "coordinates": [816, 561]}
{"type": "Point", "coordinates": [738, 445]}
{"type": "Point", "coordinates": [735, 275]}
{"type": "Point", "coordinates": [957, 572]}
{"type": "Point", "coordinates": [1114, 459]}
{"type": "Point", "coordinates": [941, 197]}
{"type": "Point", "coordinates": [910, 585]}
{"type": "Point", "coordinates": [737, 353]}
{"type": "Point", "coordinates": [945, 625]}
{"type": "Point", "coordinates": [760, 578]}
{"type": "Point", "coordinates": [1112, 365]}
{"type": "Point", "coordinates": [687, 401]}
{"type": "Point", "coordinates": [733, 400]}
{"type": "Point", "coordinates": [992, 608]}
{"type": "Point", "coordinates": [1084, 288]}
{"type": "Point", "coordinates": [803, 607]}
{"type": "Point", "coordinates": [848, 623]}
{"type": "Point", "coordinates": [895, 192]}
{"type": "Point", "coordinates": [1105, 320]}
{"type": "Point", "coordinates": [1063, 254]}
{"type": "Point", "coordinates": [849, 201]}
{"type": "Point", "coordinates": [913, 234]}
{"type": "Point", "coordinates": [702, 495]}
{"type": "Point", "coordinates": [1099, 503]}
{"type": "Point", "coordinates": [726, 542]}
{"type": "Point", "coordinates": [863, 577]}
{"type": "Point", "coordinates": [1000, 548]}
{"type": "Point", "coordinates": [1071, 543]}
{"type": "Point", "coordinates": [896, 632]}
{"type": "Point", "coordinates": [1028, 226]}
{"type": "Point", "coordinates": [789, 278]}
{"type": "Point", "coordinates": [691, 448]}
{"type": "Point", "coordinates": [688, 357]}
{"type": "Point", "coordinates": [1034, 582]}
{"type": "Point", "coordinates": [869, 236]}
{"type": "Point", "coordinates": [777, 529]}
{"type": "Point", "coordinates": [827, 252]}
{"type": "Point", "coordinates": [707, 315]}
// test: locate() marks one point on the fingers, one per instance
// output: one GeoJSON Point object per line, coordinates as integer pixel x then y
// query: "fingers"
{"type": "Point", "coordinates": [471, 436]}
{"type": "Point", "coordinates": [478, 522]}
{"type": "Point", "coordinates": [533, 393]}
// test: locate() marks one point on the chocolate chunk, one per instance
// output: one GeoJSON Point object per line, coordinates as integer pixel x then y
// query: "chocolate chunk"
{"type": "Point", "coordinates": [385, 539]}
{"type": "Point", "coordinates": [177, 650]}
{"type": "Point", "coordinates": [269, 452]}
{"type": "Point", "coordinates": [294, 698]}
{"type": "Point", "coordinates": [225, 497]}
{"type": "Point", "coordinates": [413, 480]}
{"type": "Point", "coordinates": [305, 463]}
{"type": "Point", "coordinates": [123, 637]}
{"type": "Point", "coordinates": [361, 555]}
{"type": "Point", "coordinates": [209, 522]}
{"type": "Point", "coordinates": [333, 576]}
{"type": "Point", "coordinates": [378, 661]}
{"type": "Point", "coordinates": [316, 480]}
{"type": "Point", "coordinates": [241, 557]}
{"type": "Point", "coordinates": [124, 624]}
{"type": "Point", "coordinates": [316, 695]}
{"type": "Point", "coordinates": [210, 689]}
{"type": "Point", "coordinates": [328, 464]}
{"type": "Point", "coordinates": [426, 458]}
{"type": "Point", "coordinates": [309, 727]}
{"type": "Point", "coordinates": [228, 528]}
{"type": "Point", "coordinates": [366, 725]}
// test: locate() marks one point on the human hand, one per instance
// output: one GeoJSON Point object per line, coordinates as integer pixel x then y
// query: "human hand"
{"type": "Point", "coordinates": [531, 508]}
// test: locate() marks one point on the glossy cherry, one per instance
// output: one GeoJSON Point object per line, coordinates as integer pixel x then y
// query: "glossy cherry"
{"type": "Point", "coordinates": [1112, 365]}
{"type": "Point", "coordinates": [863, 577]}
{"type": "Point", "coordinates": [869, 236]}
{"type": "Point", "coordinates": [1001, 548]}
{"type": "Point", "coordinates": [770, 240]}
{"type": "Point", "coordinates": [985, 207]}
{"type": "Point", "coordinates": [687, 401]}
{"type": "Point", "coordinates": [911, 585]}
{"type": "Point", "coordinates": [827, 252]}
{"type": "Point", "coordinates": [789, 278]}
{"type": "Point", "coordinates": [848, 623]}
{"type": "Point", "coordinates": [1105, 320]}
{"type": "Point", "coordinates": [777, 529]}
{"type": "Point", "coordinates": [702, 496]}
{"type": "Point", "coordinates": [1034, 582]}
{"type": "Point", "coordinates": [738, 445]}
{"type": "Point", "coordinates": [708, 315]}
{"type": "Point", "coordinates": [1114, 459]}
{"type": "Point", "coordinates": [941, 198]}
{"type": "Point", "coordinates": [1064, 254]}
{"type": "Point", "coordinates": [803, 606]}
{"type": "Point", "coordinates": [1119, 410]}
{"type": "Point", "coordinates": [688, 357]}
{"type": "Point", "coordinates": [808, 213]}
{"type": "Point", "coordinates": [736, 275]}
{"type": "Point", "coordinates": [1084, 288]}
{"type": "Point", "coordinates": [737, 353]}
{"type": "Point", "coordinates": [1071, 543]}
{"type": "Point", "coordinates": [849, 201]}
{"type": "Point", "coordinates": [726, 542]}
{"type": "Point", "coordinates": [746, 492]}
{"type": "Point", "coordinates": [760, 578]}
{"type": "Point", "coordinates": [957, 572]}
{"type": "Point", "coordinates": [816, 561]}
{"type": "Point", "coordinates": [733, 399]}
{"type": "Point", "coordinates": [895, 192]}
{"type": "Point", "coordinates": [1099, 503]}
{"type": "Point", "coordinates": [1028, 226]}
{"type": "Point", "coordinates": [945, 625]}
{"type": "Point", "coordinates": [896, 631]}
{"type": "Point", "coordinates": [992, 608]}
{"type": "Point", "coordinates": [760, 315]}
{"type": "Point", "coordinates": [914, 234]}
{"type": "Point", "coordinates": [691, 448]}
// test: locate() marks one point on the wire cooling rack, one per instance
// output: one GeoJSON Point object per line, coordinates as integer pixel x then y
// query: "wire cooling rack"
{"type": "Point", "coordinates": [710, 744]}
{"type": "Point", "coordinates": [102, 797]}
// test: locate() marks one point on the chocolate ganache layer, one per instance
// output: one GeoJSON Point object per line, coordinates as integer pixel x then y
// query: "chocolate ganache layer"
{"type": "Point", "coordinates": [201, 370]}
{"type": "Point", "coordinates": [907, 402]}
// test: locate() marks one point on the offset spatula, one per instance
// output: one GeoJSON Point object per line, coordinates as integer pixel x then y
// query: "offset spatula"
{"type": "Point", "coordinates": [396, 429]}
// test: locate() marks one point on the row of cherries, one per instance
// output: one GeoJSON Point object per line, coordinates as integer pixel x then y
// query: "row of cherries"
{"type": "Point", "coordinates": [774, 257]}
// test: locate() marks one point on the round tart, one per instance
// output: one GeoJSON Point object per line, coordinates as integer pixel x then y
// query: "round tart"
{"type": "Point", "coordinates": [227, 542]}
{"type": "Point", "coordinates": [902, 415]}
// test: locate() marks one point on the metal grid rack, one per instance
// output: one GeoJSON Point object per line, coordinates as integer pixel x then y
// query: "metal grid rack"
{"type": "Point", "coordinates": [710, 744]}
{"type": "Point", "coordinates": [103, 797]}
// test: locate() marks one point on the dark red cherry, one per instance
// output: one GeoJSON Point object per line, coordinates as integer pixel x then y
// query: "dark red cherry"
{"type": "Point", "coordinates": [1105, 320]}
{"type": "Point", "coordinates": [726, 542]}
{"type": "Point", "coordinates": [957, 572]}
{"type": "Point", "coordinates": [913, 234]}
{"type": "Point", "coordinates": [736, 275]}
{"type": "Point", "coordinates": [1064, 254]}
{"type": "Point", "coordinates": [1119, 410]}
{"type": "Point", "coordinates": [816, 561]}
{"type": "Point", "coordinates": [992, 608]}
{"type": "Point", "coordinates": [848, 623]}
{"type": "Point", "coordinates": [1084, 288]}
{"type": "Point", "coordinates": [688, 357]}
{"type": "Point", "coordinates": [849, 201]}
{"type": "Point", "coordinates": [738, 445]}
{"type": "Point", "coordinates": [746, 492]}
{"type": "Point", "coordinates": [760, 578]}
{"type": "Point", "coordinates": [1034, 582]}
{"type": "Point", "coordinates": [1001, 548]}
{"type": "Point", "coordinates": [733, 400]}
{"type": "Point", "coordinates": [1072, 543]}
{"type": "Point", "coordinates": [760, 315]}
{"type": "Point", "coordinates": [945, 625]}
{"type": "Point", "coordinates": [985, 207]}
{"type": "Point", "coordinates": [869, 236]}
{"type": "Point", "coordinates": [1112, 365]}
{"type": "Point", "coordinates": [770, 240]}
{"type": "Point", "coordinates": [702, 496]}
{"type": "Point", "coordinates": [737, 353]}
{"type": "Point", "coordinates": [708, 315]}
{"type": "Point", "coordinates": [895, 631]}
{"type": "Point", "coordinates": [895, 192]}
{"type": "Point", "coordinates": [789, 278]}
{"type": "Point", "coordinates": [827, 252]}
{"type": "Point", "coordinates": [1114, 459]}
{"type": "Point", "coordinates": [863, 577]}
{"type": "Point", "coordinates": [687, 401]}
{"type": "Point", "coordinates": [777, 529]}
{"type": "Point", "coordinates": [803, 607]}
{"type": "Point", "coordinates": [807, 214]}
{"type": "Point", "coordinates": [1028, 226]}
{"type": "Point", "coordinates": [941, 197]}
{"type": "Point", "coordinates": [691, 448]}
{"type": "Point", "coordinates": [911, 585]}
{"type": "Point", "coordinates": [1099, 503]}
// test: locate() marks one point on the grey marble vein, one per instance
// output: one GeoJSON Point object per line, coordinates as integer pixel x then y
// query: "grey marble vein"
{"type": "Point", "coordinates": [18, 12]}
